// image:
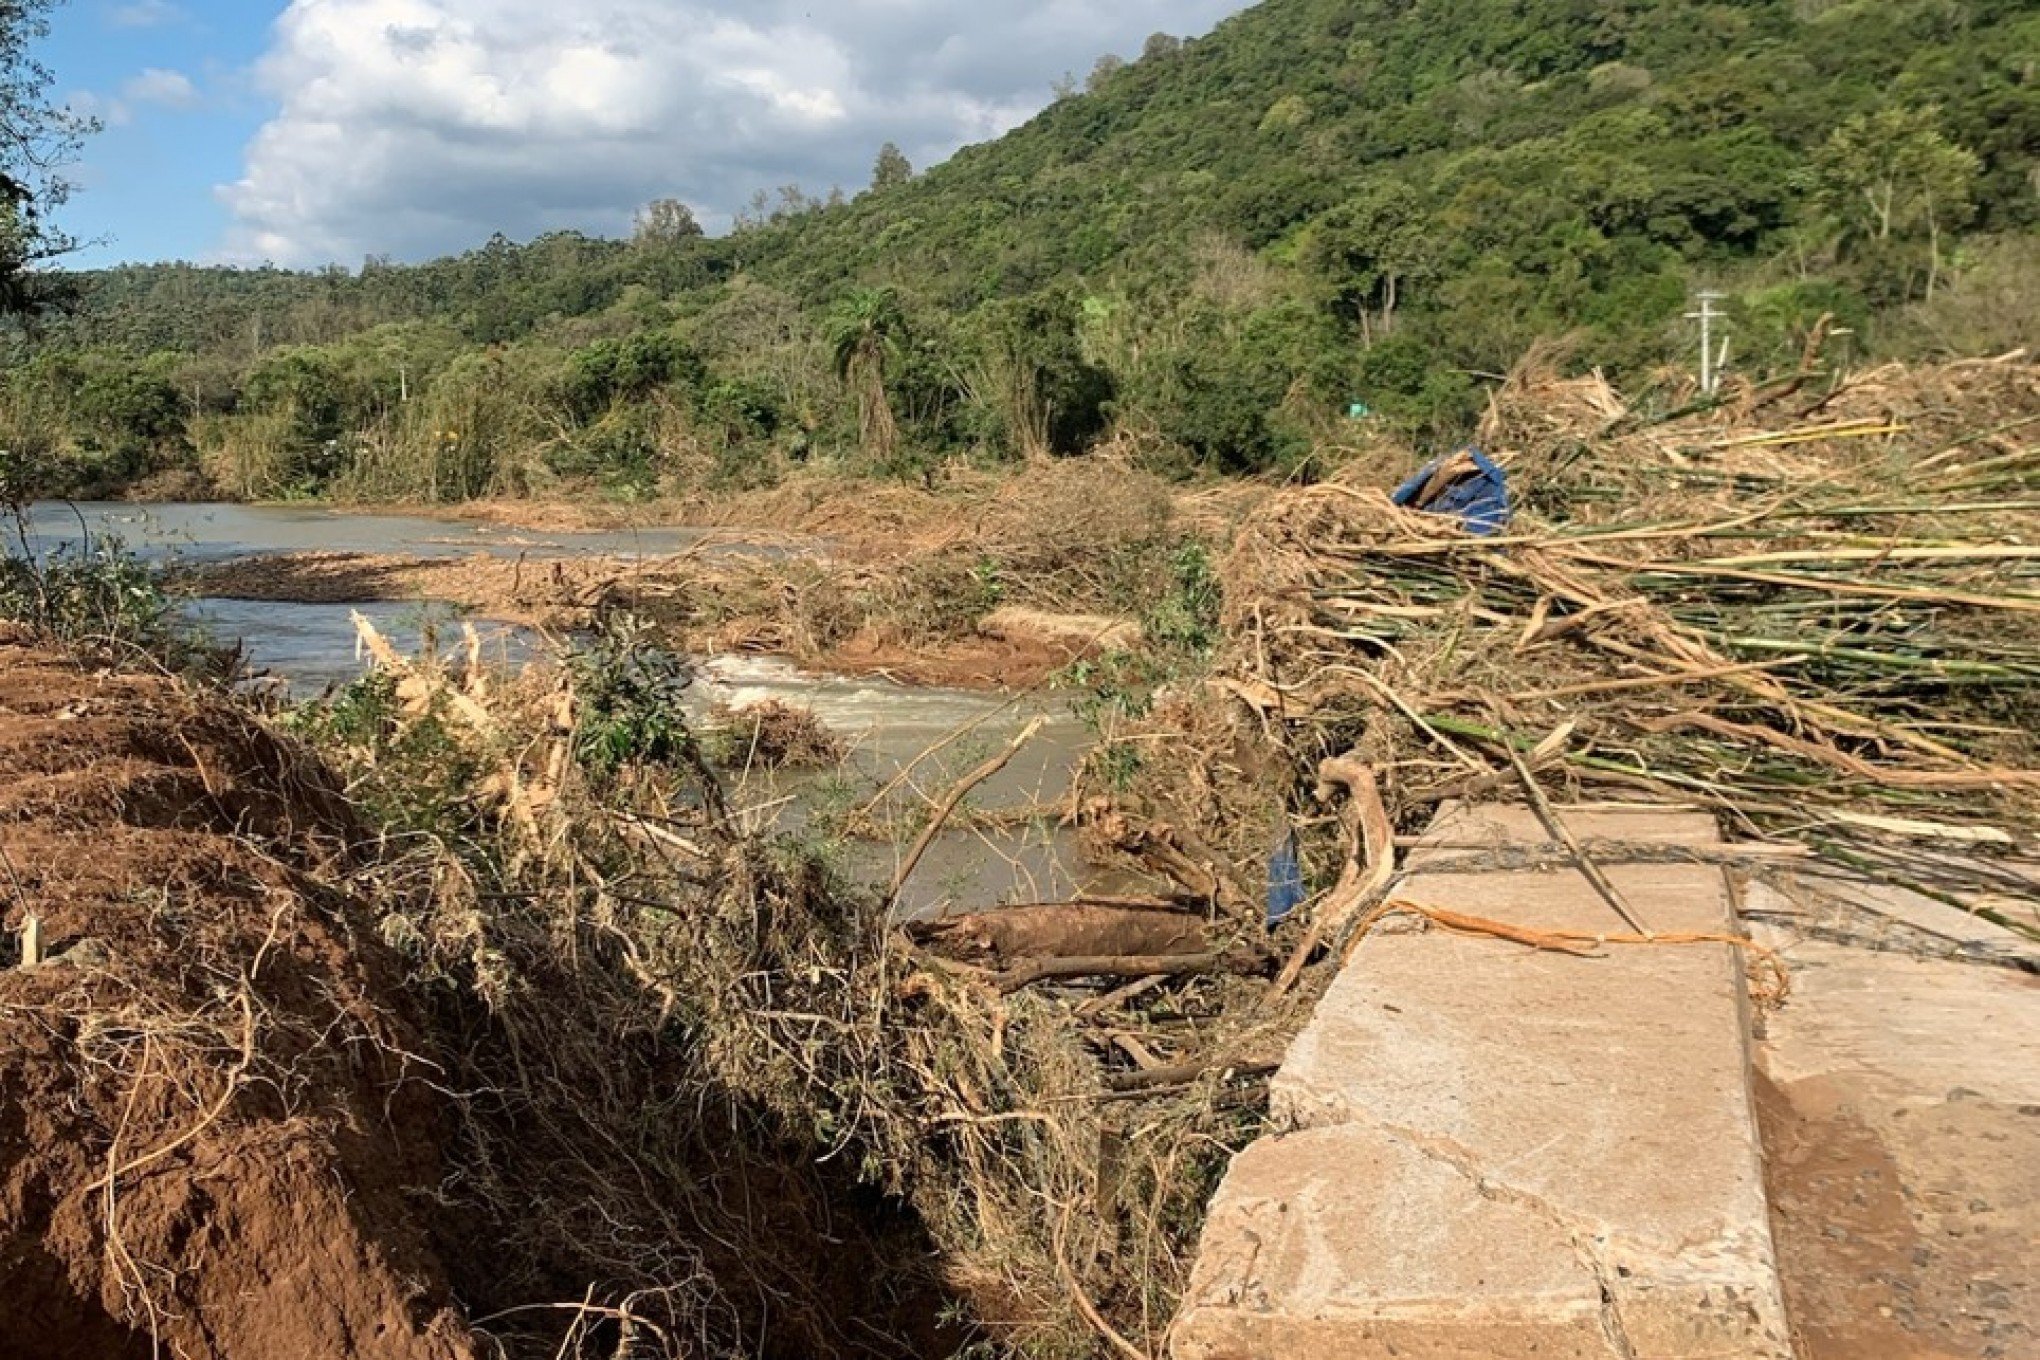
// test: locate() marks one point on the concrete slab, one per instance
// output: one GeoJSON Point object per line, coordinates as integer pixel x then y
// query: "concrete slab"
{"type": "Point", "coordinates": [1312, 1218]}
{"type": "Point", "coordinates": [1557, 1153]}
{"type": "Point", "coordinates": [1901, 1114]}
{"type": "Point", "coordinates": [1884, 917]}
{"type": "Point", "coordinates": [1460, 827]}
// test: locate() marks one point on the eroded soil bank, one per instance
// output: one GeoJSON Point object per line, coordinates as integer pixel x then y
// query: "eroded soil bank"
{"type": "Point", "coordinates": [236, 1123]}
{"type": "Point", "coordinates": [216, 1123]}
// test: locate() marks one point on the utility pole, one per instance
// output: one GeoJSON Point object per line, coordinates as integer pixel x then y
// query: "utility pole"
{"type": "Point", "coordinates": [1710, 369]}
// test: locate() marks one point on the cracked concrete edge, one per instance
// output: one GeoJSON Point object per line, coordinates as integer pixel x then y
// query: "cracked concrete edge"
{"type": "Point", "coordinates": [1595, 1308]}
{"type": "Point", "coordinates": [1726, 1300]}
{"type": "Point", "coordinates": [1607, 1260]}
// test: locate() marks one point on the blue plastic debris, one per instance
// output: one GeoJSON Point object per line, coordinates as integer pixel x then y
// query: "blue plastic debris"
{"type": "Point", "coordinates": [1285, 881]}
{"type": "Point", "coordinates": [1471, 487]}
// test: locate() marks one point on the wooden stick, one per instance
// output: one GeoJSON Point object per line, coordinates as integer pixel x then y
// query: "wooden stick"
{"type": "Point", "coordinates": [1370, 862]}
{"type": "Point", "coordinates": [1126, 966]}
{"type": "Point", "coordinates": [948, 805]}
{"type": "Point", "coordinates": [1181, 1073]}
{"type": "Point", "coordinates": [1090, 1310]}
{"type": "Point", "coordinates": [1559, 831]}
{"type": "Point", "coordinates": [1098, 1005]}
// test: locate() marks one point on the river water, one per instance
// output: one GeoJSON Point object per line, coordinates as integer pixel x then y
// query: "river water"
{"type": "Point", "coordinates": [888, 727]}
{"type": "Point", "coordinates": [203, 533]}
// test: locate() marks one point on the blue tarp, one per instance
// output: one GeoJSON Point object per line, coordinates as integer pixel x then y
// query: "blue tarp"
{"type": "Point", "coordinates": [1285, 881]}
{"type": "Point", "coordinates": [1480, 498]}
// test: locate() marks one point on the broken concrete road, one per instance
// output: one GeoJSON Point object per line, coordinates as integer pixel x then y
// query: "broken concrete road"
{"type": "Point", "coordinates": [1493, 1151]}
{"type": "Point", "coordinates": [1900, 1103]}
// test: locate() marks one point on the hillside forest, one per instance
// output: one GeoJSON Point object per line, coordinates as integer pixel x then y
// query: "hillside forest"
{"type": "Point", "coordinates": [1227, 255]}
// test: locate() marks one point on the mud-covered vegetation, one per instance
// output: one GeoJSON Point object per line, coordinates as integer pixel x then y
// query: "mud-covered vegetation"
{"type": "Point", "coordinates": [1204, 258]}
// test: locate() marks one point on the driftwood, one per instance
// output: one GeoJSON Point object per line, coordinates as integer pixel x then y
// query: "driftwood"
{"type": "Point", "coordinates": [1183, 1073]}
{"type": "Point", "coordinates": [1067, 929]}
{"type": "Point", "coordinates": [1176, 854]}
{"type": "Point", "coordinates": [1245, 962]}
{"type": "Point", "coordinates": [956, 795]}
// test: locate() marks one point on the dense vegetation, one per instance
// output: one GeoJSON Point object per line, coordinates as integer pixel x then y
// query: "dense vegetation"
{"type": "Point", "coordinates": [1209, 253]}
{"type": "Point", "coordinates": [37, 141]}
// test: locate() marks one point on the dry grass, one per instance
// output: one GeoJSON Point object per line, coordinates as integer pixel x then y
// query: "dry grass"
{"type": "Point", "coordinates": [772, 735]}
{"type": "Point", "coordinates": [1811, 608]}
{"type": "Point", "coordinates": [623, 924]}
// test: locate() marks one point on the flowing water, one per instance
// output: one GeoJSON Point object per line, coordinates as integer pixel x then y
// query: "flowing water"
{"type": "Point", "coordinates": [306, 648]}
{"type": "Point", "coordinates": [919, 742]}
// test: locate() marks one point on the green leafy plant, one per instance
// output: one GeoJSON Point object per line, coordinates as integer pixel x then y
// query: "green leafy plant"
{"type": "Point", "coordinates": [629, 691]}
{"type": "Point", "coordinates": [1186, 618]}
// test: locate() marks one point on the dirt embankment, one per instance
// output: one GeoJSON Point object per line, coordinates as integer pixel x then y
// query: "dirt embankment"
{"type": "Point", "coordinates": [215, 1130]}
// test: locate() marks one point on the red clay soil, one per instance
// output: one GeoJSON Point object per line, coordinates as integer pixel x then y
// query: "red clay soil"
{"type": "Point", "coordinates": [212, 1133]}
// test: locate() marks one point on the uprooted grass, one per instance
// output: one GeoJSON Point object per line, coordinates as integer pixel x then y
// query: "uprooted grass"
{"type": "Point", "coordinates": [922, 570]}
{"type": "Point", "coordinates": [666, 992]}
{"type": "Point", "coordinates": [1810, 607]}
{"type": "Point", "coordinates": [772, 735]}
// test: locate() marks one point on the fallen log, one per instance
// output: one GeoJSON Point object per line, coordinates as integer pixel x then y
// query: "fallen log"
{"type": "Point", "coordinates": [1062, 930]}
{"type": "Point", "coordinates": [1245, 962]}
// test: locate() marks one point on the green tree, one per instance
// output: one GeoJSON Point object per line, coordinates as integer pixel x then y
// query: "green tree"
{"type": "Point", "coordinates": [1055, 399]}
{"type": "Point", "coordinates": [665, 222]}
{"type": "Point", "coordinates": [1892, 175]}
{"type": "Point", "coordinates": [1370, 250]}
{"type": "Point", "coordinates": [37, 142]}
{"type": "Point", "coordinates": [1101, 75]}
{"type": "Point", "coordinates": [865, 331]}
{"type": "Point", "coordinates": [893, 168]}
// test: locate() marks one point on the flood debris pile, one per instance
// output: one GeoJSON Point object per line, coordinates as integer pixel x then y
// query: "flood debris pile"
{"type": "Point", "coordinates": [1030, 1107]}
{"type": "Point", "coordinates": [772, 735]}
{"type": "Point", "coordinates": [558, 1059]}
{"type": "Point", "coordinates": [1814, 612]}
{"type": "Point", "coordinates": [488, 1031]}
{"type": "Point", "coordinates": [980, 580]}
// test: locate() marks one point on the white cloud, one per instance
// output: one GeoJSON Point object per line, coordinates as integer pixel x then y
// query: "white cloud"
{"type": "Point", "coordinates": [154, 85]}
{"type": "Point", "coordinates": [419, 126]}
{"type": "Point", "coordinates": [151, 86]}
{"type": "Point", "coordinates": [145, 14]}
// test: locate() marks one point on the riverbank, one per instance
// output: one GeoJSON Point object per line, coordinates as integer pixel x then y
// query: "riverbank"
{"type": "Point", "coordinates": [662, 1017]}
{"type": "Point", "coordinates": [986, 583]}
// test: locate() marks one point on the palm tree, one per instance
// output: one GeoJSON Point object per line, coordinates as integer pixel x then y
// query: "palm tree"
{"type": "Point", "coordinates": [865, 329]}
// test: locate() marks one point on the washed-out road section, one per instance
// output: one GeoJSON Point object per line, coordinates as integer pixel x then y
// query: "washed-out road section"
{"type": "Point", "coordinates": [1488, 1150]}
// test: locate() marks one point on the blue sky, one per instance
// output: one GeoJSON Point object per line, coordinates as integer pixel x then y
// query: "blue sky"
{"type": "Point", "coordinates": [146, 181]}
{"type": "Point", "coordinates": [321, 131]}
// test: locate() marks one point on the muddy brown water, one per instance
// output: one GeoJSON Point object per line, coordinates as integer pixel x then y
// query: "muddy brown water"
{"type": "Point", "coordinates": [306, 648]}
{"type": "Point", "coordinates": [889, 728]}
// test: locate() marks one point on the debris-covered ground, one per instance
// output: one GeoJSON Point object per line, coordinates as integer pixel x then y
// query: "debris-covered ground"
{"type": "Point", "coordinates": [1815, 613]}
{"type": "Point", "coordinates": [981, 583]}
{"type": "Point", "coordinates": [702, 1096]}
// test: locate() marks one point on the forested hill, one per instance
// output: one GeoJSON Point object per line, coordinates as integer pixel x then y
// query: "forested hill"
{"type": "Point", "coordinates": [1211, 250]}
